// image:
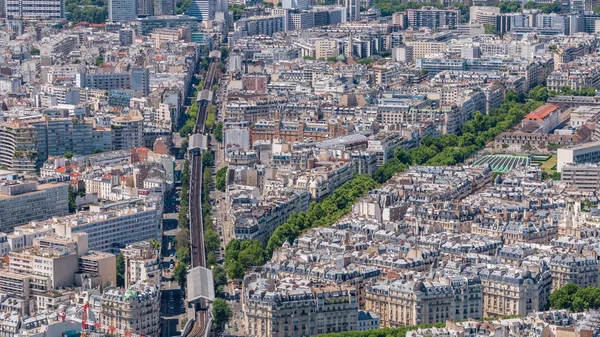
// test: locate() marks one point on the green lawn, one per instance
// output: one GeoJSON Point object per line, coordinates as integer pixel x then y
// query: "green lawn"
{"type": "Point", "coordinates": [549, 165]}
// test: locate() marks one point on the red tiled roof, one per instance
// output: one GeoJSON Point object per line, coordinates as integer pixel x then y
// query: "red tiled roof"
{"type": "Point", "coordinates": [541, 113]}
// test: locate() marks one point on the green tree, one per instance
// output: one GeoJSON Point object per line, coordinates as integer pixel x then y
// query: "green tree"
{"type": "Point", "coordinates": [219, 276]}
{"type": "Point", "coordinates": [237, 10]}
{"type": "Point", "coordinates": [220, 178]}
{"type": "Point", "coordinates": [235, 270]}
{"type": "Point", "coordinates": [464, 11]}
{"type": "Point", "coordinates": [211, 239]}
{"type": "Point", "coordinates": [211, 120]}
{"type": "Point", "coordinates": [34, 51]}
{"type": "Point", "coordinates": [180, 274]}
{"type": "Point", "coordinates": [509, 6]}
{"type": "Point", "coordinates": [72, 196]}
{"type": "Point", "coordinates": [68, 155]}
{"type": "Point", "coordinates": [221, 313]}
{"type": "Point", "coordinates": [120, 262]}
{"type": "Point", "coordinates": [218, 132]}
{"type": "Point", "coordinates": [490, 29]}
{"type": "Point", "coordinates": [563, 297]}
{"type": "Point", "coordinates": [224, 52]}
{"type": "Point", "coordinates": [99, 61]}
{"type": "Point", "coordinates": [207, 159]}
{"type": "Point", "coordinates": [97, 151]}
{"type": "Point", "coordinates": [539, 93]}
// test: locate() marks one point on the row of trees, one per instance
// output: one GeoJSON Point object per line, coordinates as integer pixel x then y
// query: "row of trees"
{"type": "Point", "coordinates": [241, 256]}
{"type": "Point", "coordinates": [388, 332]}
{"type": "Point", "coordinates": [322, 214]}
{"type": "Point", "coordinates": [92, 11]}
{"type": "Point", "coordinates": [192, 113]}
{"type": "Point", "coordinates": [541, 93]}
{"type": "Point", "coordinates": [576, 299]}
{"type": "Point", "coordinates": [452, 149]}
{"type": "Point", "coordinates": [547, 8]}
{"type": "Point", "coordinates": [389, 7]}
{"type": "Point", "coordinates": [221, 178]}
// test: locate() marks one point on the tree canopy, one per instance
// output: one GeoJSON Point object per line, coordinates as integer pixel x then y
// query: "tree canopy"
{"type": "Point", "coordinates": [221, 177]}
{"type": "Point", "coordinates": [221, 312]}
{"type": "Point", "coordinates": [576, 299]}
{"type": "Point", "coordinates": [389, 7]}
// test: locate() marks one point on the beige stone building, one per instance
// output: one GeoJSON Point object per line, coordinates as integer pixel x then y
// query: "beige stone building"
{"type": "Point", "coordinates": [406, 303]}
{"type": "Point", "coordinates": [509, 291]}
{"type": "Point", "coordinates": [134, 309]}
{"type": "Point", "coordinates": [297, 307]}
{"type": "Point", "coordinates": [578, 269]}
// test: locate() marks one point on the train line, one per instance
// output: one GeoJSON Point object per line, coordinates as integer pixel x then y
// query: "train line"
{"type": "Point", "coordinates": [198, 256]}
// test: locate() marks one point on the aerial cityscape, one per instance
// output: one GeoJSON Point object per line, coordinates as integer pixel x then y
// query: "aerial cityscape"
{"type": "Point", "coordinates": [297, 168]}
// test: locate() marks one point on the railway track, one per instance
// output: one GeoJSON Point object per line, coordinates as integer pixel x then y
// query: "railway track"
{"type": "Point", "coordinates": [198, 256]}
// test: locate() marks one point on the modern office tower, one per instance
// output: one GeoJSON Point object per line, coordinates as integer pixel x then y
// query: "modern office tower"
{"type": "Point", "coordinates": [122, 10]}
{"type": "Point", "coordinates": [353, 9]}
{"type": "Point", "coordinates": [34, 9]}
{"type": "Point", "coordinates": [127, 131]}
{"type": "Point", "coordinates": [25, 201]}
{"type": "Point", "coordinates": [145, 8]}
{"type": "Point", "coordinates": [164, 7]}
{"type": "Point", "coordinates": [140, 80]}
{"type": "Point", "coordinates": [203, 10]}
{"type": "Point", "coordinates": [295, 4]}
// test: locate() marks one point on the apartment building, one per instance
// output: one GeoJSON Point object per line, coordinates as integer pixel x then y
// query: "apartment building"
{"type": "Point", "coordinates": [17, 9]}
{"type": "Point", "coordinates": [252, 108]}
{"type": "Point", "coordinates": [57, 266]}
{"type": "Point", "coordinates": [420, 49]}
{"type": "Point", "coordinates": [25, 201]}
{"type": "Point", "coordinates": [127, 131]}
{"type": "Point", "coordinates": [294, 131]}
{"type": "Point", "coordinates": [575, 76]}
{"type": "Point", "coordinates": [296, 307]}
{"type": "Point", "coordinates": [383, 145]}
{"type": "Point", "coordinates": [260, 25]}
{"type": "Point", "coordinates": [136, 308]}
{"type": "Point", "coordinates": [112, 226]}
{"type": "Point", "coordinates": [433, 18]}
{"type": "Point", "coordinates": [325, 49]}
{"type": "Point", "coordinates": [18, 146]}
{"type": "Point", "coordinates": [58, 45]}
{"type": "Point", "coordinates": [258, 218]}
{"type": "Point", "coordinates": [509, 291]}
{"type": "Point", "coordinates": [142, 262]}
{"type": "Point", "coordinates": [578, 269]}
{"type": "Point", "coordinates": [97, 269]}
{"type": "Point", "coordinates": [583, 176]}
{"type": "Point", "coordinates": [406, 303]}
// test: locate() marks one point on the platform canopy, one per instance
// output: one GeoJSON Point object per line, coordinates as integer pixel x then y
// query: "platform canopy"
{"type": "Point", "coordinates": [200, 284]}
